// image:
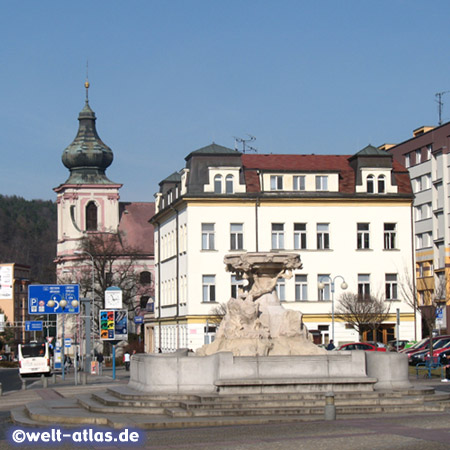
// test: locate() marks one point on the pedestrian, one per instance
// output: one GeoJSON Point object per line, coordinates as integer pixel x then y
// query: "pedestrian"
{"type": "Point", "coordinates": [126, 360]}
{"type": "Point", "coordinates": [331, 346]}
{"type": "Point", "coordinates": [445, 361]}
{"type": "Point", "coordinates": [100, 363]}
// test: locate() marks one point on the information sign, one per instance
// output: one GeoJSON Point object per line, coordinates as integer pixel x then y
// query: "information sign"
{"type": "Point", "coordinates": [40, 294]}
{"type": "Point", "coordinates": [33, 325]}
{"type": "Point", "coordinates": [114, 324]}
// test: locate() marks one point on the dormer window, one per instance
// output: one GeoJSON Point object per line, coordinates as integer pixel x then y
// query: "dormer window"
{"type": "Point", "coordinates": [229, 184]}
{"type": "Point", "coordinates": [218, 184]}
{"type": "Point", "coordinates": [91, 217]}
{"type": "Point", "coordinates": [299, 183]}
{"type": "Point", "coordinates": [276, 183]}
{"type": "Point", "coordinates": [321, 183]}
{"type": "Point", "coordinates": [370, 185]}
{"type": "Point", "coordinates": [381, 184]}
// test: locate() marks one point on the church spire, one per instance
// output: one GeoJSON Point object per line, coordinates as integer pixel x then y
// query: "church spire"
{"type": "Point", "coordinates": [87, 157]}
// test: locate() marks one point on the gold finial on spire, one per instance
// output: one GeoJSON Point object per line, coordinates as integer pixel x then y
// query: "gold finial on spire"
{"type": "Point", "coordinates": [86, 83]}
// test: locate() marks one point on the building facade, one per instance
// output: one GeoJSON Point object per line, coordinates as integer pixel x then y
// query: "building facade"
{"type": "Point", "coordinates": [14, 282]}
{"type": "Point", "coordinates": [349, 217]}
{"type": "Point", "coordinates": [426, 155]}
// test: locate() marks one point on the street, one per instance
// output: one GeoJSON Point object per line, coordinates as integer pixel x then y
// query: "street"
{"type": "Point", "coordinates": [11, 381]}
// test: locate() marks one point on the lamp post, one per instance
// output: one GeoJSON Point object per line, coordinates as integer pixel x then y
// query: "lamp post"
{"type": "Point", "coordinates": [344, 286]}
{"type": "Point", "coordinates": [92, 312]}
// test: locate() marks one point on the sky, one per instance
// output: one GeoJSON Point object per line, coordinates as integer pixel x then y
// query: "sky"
{"type": "Point", "coordinates": [169, 77]}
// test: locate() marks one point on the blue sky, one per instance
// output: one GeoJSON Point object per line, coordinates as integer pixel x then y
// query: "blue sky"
{"type": "Point", "coordinates": [169, 77]}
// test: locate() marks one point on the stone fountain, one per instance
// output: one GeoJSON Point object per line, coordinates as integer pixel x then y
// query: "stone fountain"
{"type": "Point", "coordinates": [255, 323]}
{"type": "Point", "coordinates": [261, 347]}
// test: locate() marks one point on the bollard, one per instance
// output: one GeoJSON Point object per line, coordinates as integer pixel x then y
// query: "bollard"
{"type": "Point", "coordinates": [83, 378]}
{"type": "Point", "coordinates": [330, 407]}
{"type": "Point", "coordinates": [44, 381]}
{"type": "Point", "coordinates": [24, 385]}
{"type": "Point", "coordinates": [54, 378]}
{"type": "Point", "coordinates": [1, 389]}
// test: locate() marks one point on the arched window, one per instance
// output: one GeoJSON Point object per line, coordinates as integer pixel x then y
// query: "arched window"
{"type": "Point", "coordinates": [229, 189]}
{"type": "Point", "coordinates": [370, 186]}
{"type": "Point", "coordinates": [218, 184]}
{"type": "Point", "coordinates": [145, 277]}
{"type": "Point", "coordinates": [91, 217]}
{"type": "Point", "coordinates": [381, 184]}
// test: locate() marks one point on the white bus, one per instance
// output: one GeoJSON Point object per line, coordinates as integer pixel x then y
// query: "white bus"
{"type": "Point", "coordinates": [34, 358]}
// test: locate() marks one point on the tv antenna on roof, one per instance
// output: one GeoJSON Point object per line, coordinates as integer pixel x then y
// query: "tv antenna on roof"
{"type": "Point", "coordinates": [245, 146]}
{"type": "Point", "coordinates": [440, 104]}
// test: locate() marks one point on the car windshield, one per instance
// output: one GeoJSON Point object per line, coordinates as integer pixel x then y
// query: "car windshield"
{"type": "Point", "coordinates": [440, 343]}
{"type": "Point", "coordinates": [419, 344]}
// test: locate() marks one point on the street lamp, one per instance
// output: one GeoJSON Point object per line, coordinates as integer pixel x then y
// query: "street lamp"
{"type": "Point", "coordinates": [88, 356]}
{"type": "Point", "coordinates": [321, 285]}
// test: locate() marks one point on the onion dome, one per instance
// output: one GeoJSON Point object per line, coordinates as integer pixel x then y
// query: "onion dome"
{"type": "Point", "coordinates": [87, 157]}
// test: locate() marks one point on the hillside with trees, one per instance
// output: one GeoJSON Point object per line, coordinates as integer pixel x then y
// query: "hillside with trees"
{"type": "Point", "coordinates": [28, 235]}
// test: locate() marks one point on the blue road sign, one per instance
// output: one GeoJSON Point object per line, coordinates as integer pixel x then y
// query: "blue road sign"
{"type": "Point", "coordinates": [40, 294]}
{"type": "Point", "coordinates": [33, 325]}
{"type": "Point", "coordinates": [138, 319]}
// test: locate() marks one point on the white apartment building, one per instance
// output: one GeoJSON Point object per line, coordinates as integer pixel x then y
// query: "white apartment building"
{"type": "Point", "coordinates": [426, 155]}
{"type": "Point", "coordinates": [349, 218]}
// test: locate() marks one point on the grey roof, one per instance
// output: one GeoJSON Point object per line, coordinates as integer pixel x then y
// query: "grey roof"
{"type": "Point", "coordinates": [214, 149]}
{"type": "Point", "coordinates": [174, 178]}
{"type": "Point", "coordinates": [370, 150]}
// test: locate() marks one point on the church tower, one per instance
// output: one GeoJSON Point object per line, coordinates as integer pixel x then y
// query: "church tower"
{"type": "Point", "coordinates": [87, 201]}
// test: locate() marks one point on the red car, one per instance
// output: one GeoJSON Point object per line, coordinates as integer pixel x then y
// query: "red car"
{"type": "Point", "coordinates": [362, 346]}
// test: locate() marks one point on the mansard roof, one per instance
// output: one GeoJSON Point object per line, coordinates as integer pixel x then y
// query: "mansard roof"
{"type": "Point", "coordinates": [213, 149]}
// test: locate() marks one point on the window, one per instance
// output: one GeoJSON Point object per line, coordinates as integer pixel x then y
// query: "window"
{"type": "Point", "coordinates": [281, 289]}
{"type": "Point", "coordinates": [229, 184]}
{"type": "Point", "coordinates": [218, 184]}
{"type": "Point", "coordinates": [323, 236]}
{"type": "Point", "coordinates": [236, 236]}
{"type": "Point", "coordinates": [145, 277]}
{"type": "Point", "coordinates": [390, 233]}
{"type": "Point", "coordinates": [143, 301]}
{"type": "Point", "coordinates": [418, 156]}
{"type": "Point", "coordinates": [364, 286]}
{"type": "Point", "coordinates": [391, 286]}
{"type": "Point", "coordinates": [209, 288]}
{"type": "Point", "coordinates": [299, 183]}
{"type": "Point", "coordinates": [325, 293]}
{"type": "Point", "coordinates": [407, 160]}
{"type": "Point", "coordinates": [321, 183]}
{"type": "Point", "coordinates": [381, 184]}
{"type": "Point", "coordinates": [236, 285]}
{"type": "Point", "coordinates": [370, 185]}
{"type": "Point", "coordinates": [301, 288]}
{"type": "Point", "coordinates": [277, 236]}
{"type": "Point", "coordinates": [299, 236]}
{"type": "Point", "coordinates": [207, 236]}
{"type": "Point", "coordinates": [426, 181]}
{"type": "Point", "coordinates": [428, 152]}
{"type": "Point", "coordinates": [91, 217]}
{"type": "Point", "coordinates": [363, 241]}
{"type": "Point", "coordinates": [276, 182]}
{"type": "Point", "coordinates": [430, 269]}
{"type": "Point", "coordinates": [420, 267]}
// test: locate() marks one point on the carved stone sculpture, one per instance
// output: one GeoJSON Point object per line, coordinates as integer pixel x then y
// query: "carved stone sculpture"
{"type": "Point", "coordinates": [256, 323]}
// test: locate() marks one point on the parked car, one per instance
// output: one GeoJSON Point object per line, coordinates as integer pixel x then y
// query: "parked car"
{"type": "Point", "coordinates": [437, 352]}
{"type": "Point", "coordinates": [422, 347]}
{"type": "Point", "coordinates": [362, 346]}
{"type": "Point", "coordinates": [392, 345]}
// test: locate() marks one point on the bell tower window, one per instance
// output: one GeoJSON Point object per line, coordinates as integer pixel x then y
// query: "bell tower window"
{"type": "Point", "coordinates": [91, 217]}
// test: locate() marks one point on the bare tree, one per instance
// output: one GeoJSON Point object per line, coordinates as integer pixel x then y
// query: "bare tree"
{"type": "Point", "coordinates": [114, 264]}
{"type": "Point", "coordinates": [218, 313]}
{"type": "Point", "coordinates": [425, 297]}
{"type": "Point", "coordinates": [362, 312]}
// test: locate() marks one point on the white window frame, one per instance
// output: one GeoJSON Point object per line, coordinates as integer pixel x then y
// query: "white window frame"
{"type": "Point", "coordinates": [236, 285]}
{"type": "Point", "coordinates": [229, 184]}
{"type": "Point", "coordinates": [208, 236]}
{"type": "Point", "coordinates": [321, 182]}
{"type": "Point", "coordinates": [391, 288]}
{"type": "Point", "coordinates": [236, 236]}
{"type": "Point", "coordinates": [363, 236]}
{"type": "Point", "coordinates": [390, 236]}
{"type": "Point", "coordinates": [323, 236]}
{"type": "Point", "coordinates": [301, 288]}
{"type": "Point", "coordinates": [276, 182]}
{"type": "Point", "coordinates": [208, 288]}
{"type": "Point", "coordinates": [278, 236]}
{"type": "Point", "coordinates": [218, 184]}
{"type": "Point", "coordinates": [324, 294]}
{"type": "Point", "coordinates": [300, 236]}
{"type": "Point", "coordinates": [364, 286]}
{"type": "Point", "coordinates": [280, 288]}
{"type": "Point", "coordinates": [299, 182]}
